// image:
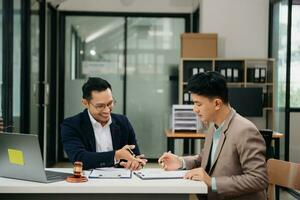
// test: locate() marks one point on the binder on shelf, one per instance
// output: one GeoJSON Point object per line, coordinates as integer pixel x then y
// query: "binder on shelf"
{"type": "Point", "coordinates": [229, 74]}
{"type": "Point", "coordinates": [186, 98]}
{"type": "Point", "coordinates": [235, 74]}
{"type": "Point", "coordinates": [262, 75]}
{"type": "Point", "coordinates": [223, 72]}
{"type": "Point", "coordinates": [256, 75]}
{"type": "Point", "coordinates": [201, 70]}
{"type": "Point", "coordinates": [195, 71]}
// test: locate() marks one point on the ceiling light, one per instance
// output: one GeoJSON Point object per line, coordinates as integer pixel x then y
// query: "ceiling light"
{"type": "Point", "coordinates": [92, 52]}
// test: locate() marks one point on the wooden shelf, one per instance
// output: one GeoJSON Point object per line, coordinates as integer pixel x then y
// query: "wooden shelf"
{"type": "Point", "coordinates": [239, 66]}
{"type": "Point", "coordinates": [235, 84]}
{"type": "Point", "coordinates": [259, 84]}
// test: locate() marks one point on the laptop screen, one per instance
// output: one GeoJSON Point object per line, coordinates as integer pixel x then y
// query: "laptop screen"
{"type": "Point", "coordinates": [20, 157]}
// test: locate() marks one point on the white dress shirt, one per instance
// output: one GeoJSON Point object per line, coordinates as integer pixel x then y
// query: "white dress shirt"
{"type": "Point", "coordinates": [102, 135]}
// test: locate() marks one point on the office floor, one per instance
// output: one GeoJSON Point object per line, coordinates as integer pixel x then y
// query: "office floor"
{"type": "Point", "coordinates": [283, 194]}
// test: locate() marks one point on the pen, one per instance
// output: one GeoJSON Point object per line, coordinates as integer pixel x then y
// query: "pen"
{"type": "Point", "coordinates": [131, 152]}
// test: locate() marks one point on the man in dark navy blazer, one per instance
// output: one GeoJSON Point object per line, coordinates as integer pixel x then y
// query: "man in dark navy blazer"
{"type": "Point", "coordinates": [97, 137]}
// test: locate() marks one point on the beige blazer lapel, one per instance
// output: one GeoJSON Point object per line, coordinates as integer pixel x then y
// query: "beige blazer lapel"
{"type": "Point", "coordinates": [222, 138]}
{"type": "Point", "coordinates": [207, 147]}
{"type": "Point", "coordinates": [218, 150]}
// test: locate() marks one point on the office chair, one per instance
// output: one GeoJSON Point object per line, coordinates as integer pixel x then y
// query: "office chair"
{"type": "Point", "coordinates": [267, 135]}
{"type": "Point", "coordinates": [282, 173]}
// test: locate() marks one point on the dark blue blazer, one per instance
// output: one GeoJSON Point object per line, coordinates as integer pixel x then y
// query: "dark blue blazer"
{"type": "Point", "coordinates": [79, 142]}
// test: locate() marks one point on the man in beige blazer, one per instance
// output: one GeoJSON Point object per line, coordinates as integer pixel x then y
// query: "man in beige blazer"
{"type": "Point", "coordinates": [232, 162]}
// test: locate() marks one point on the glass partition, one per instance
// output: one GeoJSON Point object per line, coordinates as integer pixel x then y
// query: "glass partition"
{"type": "Point", "coordinates": [295, 85]}
{"type": "Point", "coordinates": [153, 56]}
{"type": "Point", "coordinates": [279, 52]}
{"type": "Point", "coordinates": [34, 67]}
{"type": "Point", "coordinates": [16, 65]}
{"type": "Point", "coordinates": [295, 57]}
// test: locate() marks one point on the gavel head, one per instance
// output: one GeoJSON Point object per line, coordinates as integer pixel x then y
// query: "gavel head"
{"type": "Point", "coordinates": [77, 170]}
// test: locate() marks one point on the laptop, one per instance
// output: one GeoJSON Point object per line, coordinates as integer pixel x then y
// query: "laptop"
{"type": "Point", "coordinates": [21, 158]}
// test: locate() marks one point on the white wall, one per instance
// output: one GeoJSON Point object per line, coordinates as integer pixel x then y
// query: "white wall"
{"type": "Point", "coordinates": [169, 6]}
{"type": "Point", "coordinates": [242, 26]}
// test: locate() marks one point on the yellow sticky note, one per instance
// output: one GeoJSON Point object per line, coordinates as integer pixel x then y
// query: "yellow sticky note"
{"type": "Point", "coordinates": [15, 156]}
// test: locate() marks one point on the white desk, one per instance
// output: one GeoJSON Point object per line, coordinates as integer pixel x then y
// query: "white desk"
{"type": "Point", "coordinates": [133, 188]}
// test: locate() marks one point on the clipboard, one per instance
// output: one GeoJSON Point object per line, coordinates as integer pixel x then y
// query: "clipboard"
{"type": "Point", "coordinates": [154, 173]}
{"type": "Point", "coordinates": [110, 173]}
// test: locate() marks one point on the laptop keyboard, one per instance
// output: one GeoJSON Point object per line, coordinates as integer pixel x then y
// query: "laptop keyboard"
{"type": "Point", "coordinates": [51, 175]}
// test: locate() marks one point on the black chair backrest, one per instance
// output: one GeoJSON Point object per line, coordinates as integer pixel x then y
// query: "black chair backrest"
{"type": "Point", "coordinates": [267, 135]}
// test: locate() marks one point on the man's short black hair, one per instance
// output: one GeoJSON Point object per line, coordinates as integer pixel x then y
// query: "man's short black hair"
{"type": "Point", "coordinates": [209, 84]}
{"type": "Point", "coordinates": [94, 84]}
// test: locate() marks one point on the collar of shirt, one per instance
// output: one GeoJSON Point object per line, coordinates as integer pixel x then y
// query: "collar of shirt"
{"type": "Point", "coordinates": [218, 130]}
{"type": "Point", "coordinates": [215, 142]}
{"type": "Point", "coordinates": [102, 134]}
{"type": "Point", "coordinates": [96, 123]}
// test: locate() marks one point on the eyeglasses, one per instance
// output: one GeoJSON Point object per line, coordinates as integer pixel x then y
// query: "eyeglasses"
{"type": "Point", "coordinates": [102, 106]}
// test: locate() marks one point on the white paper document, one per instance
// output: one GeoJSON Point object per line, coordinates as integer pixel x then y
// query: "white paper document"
{"type": "Point", "coordinates": [110, 173]}
{"type": "Point", "coordinates": [160, 174]}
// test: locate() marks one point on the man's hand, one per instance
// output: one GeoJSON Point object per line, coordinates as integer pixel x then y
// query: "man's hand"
{"type": "Point", "coordinates": [133, 162]}
{"type": "Point", "coordinates": [124, 153]}
{"type": "Point", "coordinates": [169, 161]}
{"type": "Point", "coordinates": [199, 174]}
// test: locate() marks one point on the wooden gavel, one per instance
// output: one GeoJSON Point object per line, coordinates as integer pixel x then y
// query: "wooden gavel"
{"type": "Point", "coordinates": [77, 176]}
{"type": "Point", "coordinates": [77, 170]}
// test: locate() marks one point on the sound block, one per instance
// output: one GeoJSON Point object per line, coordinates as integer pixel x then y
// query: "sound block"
{"type": "Point", "coordinates": [73, 179]}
